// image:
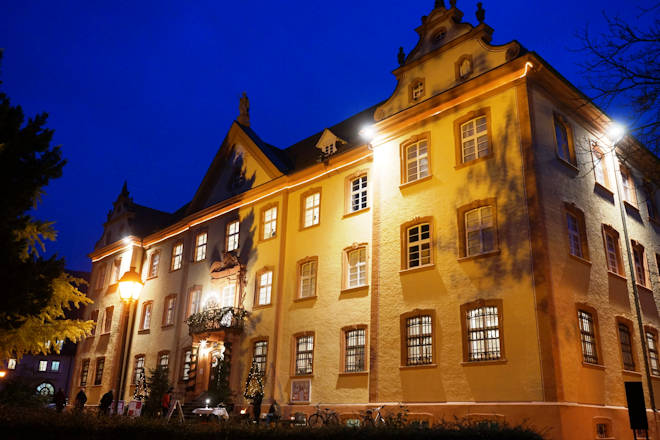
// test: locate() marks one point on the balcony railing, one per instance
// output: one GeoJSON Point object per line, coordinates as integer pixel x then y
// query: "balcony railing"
{"type": "Point", "coordinates": [210, 320]}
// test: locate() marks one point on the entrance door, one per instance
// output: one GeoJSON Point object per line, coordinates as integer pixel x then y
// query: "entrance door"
{"type": "Point", "coordinates": [214, 370]}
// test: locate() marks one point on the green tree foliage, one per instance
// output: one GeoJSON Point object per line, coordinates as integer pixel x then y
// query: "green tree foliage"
{"type": "Point", "coordinates": [157, 385]}
{"type": "Point", "coordinates": [35, 290]}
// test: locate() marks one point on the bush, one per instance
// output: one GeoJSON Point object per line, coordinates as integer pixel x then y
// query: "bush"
{"type": "Point", "coordinates": [20, 393]}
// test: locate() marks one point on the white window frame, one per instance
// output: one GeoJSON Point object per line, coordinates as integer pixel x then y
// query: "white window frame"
{"type": "Point", "coordinates": [359, 193]}
{"type": "Point", "coordinates": [55, 366]}
{"type": "Point", "coordinates": [483, 333]}
{"type": "Point", "coordinates": [146, 315]}
{"type": "Point", "coordinates": [170, 309]}
{"type": "Point", "coordinates": [479, 139]}
{"type": "Point", "coordinates": [265, 287]}
{"type": "Point", "coordinates": [270, 223]}
{"type": "Point", "coordinates": [611, 251]}
{"type": "Point", "coordinates": [233, 235]}
{"type": "Point", "coordinates": [201, 240]}
{"type": "Point", "coordinates": [418, 242]}
{"type": "Point", "coordinates": [356, 263]}
{"type": "Point", "coordinates": [43, 365]}
{"type": "Point", "coordinates": [481, 227]}
{"type": "Point", "coordinates": [154, 262]}
{"type": "Point", "coordinates": [312, 214]}
{"type": "Point", "coordinates": [195, 301]}
{"type": "Point", "coordinates": [417, 160]}
{"type": "Point", "coordinates": [228, 296]}
{"type": "Point", "coordinates": [308, 270]}
{"type": "Point", "coordinates": [177, 256]}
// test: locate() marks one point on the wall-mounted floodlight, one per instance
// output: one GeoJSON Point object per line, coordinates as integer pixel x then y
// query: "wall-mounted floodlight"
{"type": "Point", "coordinates": [615, 132]}
{"type": "Point", "coordinates": [368, 133]}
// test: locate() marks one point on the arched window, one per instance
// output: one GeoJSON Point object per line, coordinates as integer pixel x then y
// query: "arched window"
{"type": "Point", "coordinates": [45, 389]}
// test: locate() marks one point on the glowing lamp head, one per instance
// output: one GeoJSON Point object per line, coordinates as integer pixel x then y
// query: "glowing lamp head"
{"type": "Point", "coordinates": [243, 411]}
{"type": "Point", "coordinates": [2, 374]}
{"type": "Point", "coordinates": [130, 286]}
{"type": "Point", "coordinates": [615, 132]}
{"type": "Point", "coordinates": [207, 402]}
{"type": "Point", "coordinates": [368, 133]}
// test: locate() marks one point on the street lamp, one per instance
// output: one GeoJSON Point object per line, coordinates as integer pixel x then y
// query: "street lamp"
{"type": "Point", "coordinates": [130, 286]}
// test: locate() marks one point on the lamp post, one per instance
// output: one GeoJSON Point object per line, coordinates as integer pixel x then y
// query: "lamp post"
{"type": "Point", "coordinates": [130, 286]}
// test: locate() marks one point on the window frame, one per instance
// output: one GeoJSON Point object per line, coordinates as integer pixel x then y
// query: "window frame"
{"type": "Point", "coordinates": [303, 210]}
{"type": "Point", "coordinates": [94, 316]}
{"type": "Point", "coordinates": [299, 267]}
{"type": "Point", "coordinates": [229, 236]}
{"type": "Point", "coordinates": [136, 368]}
{"type": "Point", "coordinates": [115, 271]}
{"type": "Point", "coordinates": [645, 280]}
{"type": "Point", "coordinates": [253, 351]}
{"type": "Point", "coordinates": [623, 322]}
{"type": "Point", "coordinates": [405, 245]}
{"type": "Point", "coordinates": [650, 331]}
{"type": "Point", "coordinates": [262, 227]}
{"type": "Point", "coordinates": [362, 192]}
{"type": "Point", "coordinates": [403, 158]}
{"type": "Point", "coordinates": [609, 231]}
{"type": "Point", "coordinates": [462, 228]}
{"type": "Point", "coordinates": [154, 264]}
{"type": "Point", "coordinates": [649, 201]}
{"type": "Point", "coordinates": [482, 303]}
{"type": "Point", "coordinates": [84, 372]}
{"type": "Point", "coordinates": [176, 257]}
{"type": "Point", "coordinates": [146, 310]}
{"type": "Point", "coordinates": [258, 286]}
{"type": "Point", "coordinates": [404, 338]}
{"type": "Point", "coordinates": [343, 344]}
{"type": "Point", "coordinates": [184, 363]}
{"type": "Point", "coordinates": [346, 266]}
{"type": "Point", "coordinates": [411, 89]}
{"type": "Point", "coordinates": [107, 323]}
{"type": "Point", "coordinates": [197, 246]}
{"type": "Point", "coordinates": [166, 308]}
{"type": "Point", "coordinates": [294, 352]}
{"type": "Point", "coordinates": [578, 214]}
{"type": "Point", "coordinates": [584, 308]}
{"type": "Point", "coordinates": [458, 137]}
{"type": "Point", "coordinates": [98, 378]}
{"type": "Point", "coordinates": [599, 157]}
{"type": "Point", "coordinates": [100, 276]}
{"type": "Point", "coordinates": [570, 142]}
{"type": "Point", "coordinates": [44, 363]}
{"type": "Point", "coordinates": [163, 354]}
{"type": "Point", "coordinates": [628, 186]}
{"type": "Point", "coordinates": [191, 295]}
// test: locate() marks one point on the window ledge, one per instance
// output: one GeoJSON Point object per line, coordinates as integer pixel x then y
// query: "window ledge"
{"type": "Point", "coordinates": [151, 278]}
{"type": "Point", "coordinates": [423, 179]}
{"type": "Point", "coordinates": [198, 261]}
{"type": "Point", "coordinates": [483, 363]}
{"type": "Point", "coordinates": [644, 288]}
{"type": "Point", "coordinates": [417, 367]}
{"type": "Point", "coordinates": [580, 259]}
{"type": "Point", "coordinates": [354, 289]}
{"type": "Point", "coordinates": [416, 269]}
{"type": "Point", "coordinates": [482, 255]}
{"type": "Point", "coordinates": [629, 205]}
{"type": "Point", "coordinates": [302, 376]}
{"type": "Point", "coordinates": [594, 366]}
{"type": "Point", "coordinates": [616, 275]}
{"type": "Point", "coordinates": [631, 373]}
{"type": "Point", "coordinates": [474, 161]}
{"type": "Point", "coordinates": [167, 326]}
{"type": "Point", "coordinates": [655, 377]}
{"type": "Point", "coordinates": [144, 331]}
{"type": "Point", "coordinates": [264, 240]}
{"type": "Point", "coordinates": [602, 187]}
{"type": "Point", "coordinates": [307, 298]}
{"type": "Point", "coordinates": [569, 165]}
{"type": "Point", "coordinates": [174, 270]}
{"type": "Point", "coordinates": [359, 211]}
{"type": "Point", "coordinates": [304, 228]}
{"type": "Point", "coordinates": [105, 334]}
{"type": "Point", "coordinates": [265, 306]}
{"type": "Point", "coordinates": [354, 373]}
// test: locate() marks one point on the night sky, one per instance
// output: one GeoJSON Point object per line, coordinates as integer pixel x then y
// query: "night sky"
{"type": "Point", "coordinates": [146, 91]}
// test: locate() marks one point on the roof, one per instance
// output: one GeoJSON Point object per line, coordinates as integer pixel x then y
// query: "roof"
{"type": "Point", "coordinates": [147, 220]}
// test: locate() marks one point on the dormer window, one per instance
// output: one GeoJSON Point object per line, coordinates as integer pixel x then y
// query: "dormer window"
{"type": "Point", "coordinates": [329, 149]}
{"type": "Point", "coordinates": [327, 144]}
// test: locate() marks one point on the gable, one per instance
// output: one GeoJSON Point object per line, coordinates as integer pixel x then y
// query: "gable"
{"type": "Point", "coordinates": [328, 142]}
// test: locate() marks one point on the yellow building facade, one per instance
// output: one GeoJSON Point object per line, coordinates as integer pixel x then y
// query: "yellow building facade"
{"type": "Point", "coordinates": [458, 248]}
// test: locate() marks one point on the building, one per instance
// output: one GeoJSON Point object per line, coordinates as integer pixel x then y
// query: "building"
{"type": "Point", "coordinates": [470, 260]}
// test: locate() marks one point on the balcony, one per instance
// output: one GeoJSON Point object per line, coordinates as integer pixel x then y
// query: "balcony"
{"type": "Point", "coordinates": [220, 319]}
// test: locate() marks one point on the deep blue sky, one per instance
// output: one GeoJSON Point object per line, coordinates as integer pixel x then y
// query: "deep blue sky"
{"type": "Point", "coordinates": [146, 91]}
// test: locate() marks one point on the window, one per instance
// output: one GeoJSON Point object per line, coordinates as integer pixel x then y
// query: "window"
{"type": "Point", "coordinates": [356, 260]}
{"type": "Point", "coordinates": [628, 185]}
{"type": "Point", "coordinates": [355, 353]}
{"type": "Point", "coordinates": [227, 296]}
{"type": "Point", "coordinates": [416, 160]}
{"type": "Point", "coordinates": [652, 347]}
{"type": "Point", "coordinates": [311, 209]}
{"type": "Point", "coordinates": [138, 369]}
{"type": "Point", "coordinates": [187, 361]}
{"type": "Point", "coordinates": [626, 347]}
{"type": "Point", "coordinates": [600, 166]}
{"type": "Point", "coordinates": [358, 193]}
{"type": "Point", "coordinates": [307, 277]}
{"type": "Point", "coordinates": [11, 364]}
{"type": "Point", "coordinates": [640, 264]}
{"type": "Point", "coordinates": [612, 250]}
{"type": "Point", "coordinates": [483, 331]}
{"type": "Point", "coordinates": [45, 389]}
{"type": "Point", "coordinates": [264, 287]}
{"type": "Point", "coordinates": [588, 337]}
{"type": "Point", "coordinates": [98, 374]}
{"type": "Point", "coordinates": [259, 356]}
{"type": "Point", "coordinates": [418, 245]}
{"type": "Point", "coordinates": [43, 365]}
{"type": "Point", "coordinates": [195, 302]}
{"type": "Point", "coordinates": [145, 321]}
{"type": "Point", "coordinates": [329, 149]}
{"type": "Point", "coordinates": [177, 256]}
{"type": "Point", "coordinates": [480, 230]}
{"type": "Point", "coordinates": [84, 372]}
{"type": "Point", "coordinates": [200, 246]}
{"type": "Point", "coordinates": [577, 233]}
{"type": "Point", "coordinates": [153, 264]}
{"type": "Point", "coordinates": [55, 366]}
{"type": "Point", "coordinates": [304, 355]}
{"type": "Point", "coordinates": [163, 360]}
{"type": "Point", "coordinates": [116, 268]}
{"type": "Point", "coordinates": [169, 310]}
{"type": "Point", "coordinates": [232, 235]}
{"type": "Point", "coordinates": [94, 317]}
{"type": "Point", "coordinates": [100, 277]}
{"type": "Point", "coordinates": [107, 319]}
{"type": "Point", "coordinates": [419, 340]}
{"type": "Point", "coordinates": [564, 141]}
{"type": "Point", "coordinates": [270, 223]}
{"type": "Point", "coordinates": [474, 139]}
{"type": "Point", "coordinates": [416, 89]}
{"type": "Point", "coordinates": [603, 430]}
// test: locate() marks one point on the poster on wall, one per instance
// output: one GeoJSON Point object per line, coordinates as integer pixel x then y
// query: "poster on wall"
{"type": "Point", "coordinates": [301, 391]}
{"type": "Point", "coordinates": [135, 408]}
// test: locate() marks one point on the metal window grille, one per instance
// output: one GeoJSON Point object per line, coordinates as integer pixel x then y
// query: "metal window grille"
{"type": "Point", "coordinates": [270, 222]}
{"type": "Point", "coordinates": [307, 279]}
{"type": "Point", "coordinates": [588, 337]}
{"type": "Point", "coordinates": [355, 350]}
{"type": "Point", "coordinates": [474, 139]}
{"type": "Point", "coordinates": [232, 236]}
{"type": "Point", "coordinates": [357, 267]}
{"type": "Point", "coordinates": [98, 376]}
{"type": "Point", "coordinates": [304, 355]}
{"type": "Point", "coordinates": [483, 334]}
{"type": "Point", "coordinates": [200, 246]}
{"type": "Point", "coordinates": [265, 287]}
{"type": "Point", "coordinates": [84, 372]}
{"type": "Point", "coordinates": [312, 206]}
{"type": "Point", "coordinates": [260, 355]}
{"type": "Point", "coordinates": [652, 347]}
{"type": "Point", "coordinates": [359, 193]}
{"type": "Point", "coordinates": [626, 347]}
{"type": "Point", "coordinates": [417, 161]}
{"type": "Point", "coordinates": [419, 245]}
{"type": "Point", "coordinates": [177, 256]}
{"type": "Point", "coordinates": [419, 340]}
{"type": "Point", "coordinates": [574, 235]}
{"type": "Point", "coordinates": [479, 231]}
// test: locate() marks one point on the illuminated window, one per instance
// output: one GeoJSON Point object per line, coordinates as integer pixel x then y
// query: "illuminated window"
{"type": "Point", "coordinates": [417, 160]}
{"type": "Point", "coordinates": [359, 193]}
{"type": "Point", "coordinates": [588, 337]}
{"type": "Point", "coordinates": [98, 374]}
{"type": "Point", "coordinates": [177, 256]}
{"type": "Point", "coordinates": [474, 139]}
{"type": "Point", "coordinates": [195, 304]}
{"type": "Point", "coordinates": [55, 366]}
{"type": "Point", "coordinates": [170, 308]}
{"type": "Point", "coordinates": [45, 389]}
{"type": "Point", "coordinates": [116, 268]}
{"type": "Point", "coordinates": [264, 287]}
{"type": "Point", "coordinates": [270, 222]}
{"type": "Point", "coordinates": [107, 319]}
{"type": "Point", "coordinates": [84, 372]}
{"type": "Point", "coordinates": [200, 246]}
{"type": "Point", "coordinates": [480, 230]}
{"type": "Point", "coordinates": [11, 364]}
{"type": "Point", "coordinates": [574, 239]}
{"type": "Point", "coordinates": [612, 250]}
{"type": "Point", "coordinates": [304, 355]}
{"type": "Point", "coordinates": [227, 296]}
{"type": "Point", "coordinates": [138, 368]}
{"type": "Point", "coordinates": [419, 340]}
{"type": "Point", "coordinates": [628, 184]}
{"type": "Point", "coordinates": [163, 361]}
{"type": "Point", "coordinates": [626, 347]}
{"type": "Point", "coordinates": [100, 277]}
{"type": "Point", "coordinates": [43, 365]}
{"type": "Point", "coordinates": [563, 140]}
{"type": "Point", "coordinates": [187, 361]}
{"type": "Point", "coordinates": [355, 353]}
{"type": "Point", "coordinates": [259, 356]}
{"type": "Point", "coordinates": [145, 322]}
{"type": "Point", "coordinates": [640, 266]}
{"type": "Point", "coordinates": [94, 317]}
{"type": "Point", "coordinates": [419, 245]}
{"type": "Point", "coordinates": [232, 236]}
{"type": "Point", "coordinates": [483, 332]}
{"type": "Point", "coordinates": [307, 278]}
{"type": "Point", "coordinates": [312, 210]}
{"type": "Point", "coordinates": [600, 166]}
{"type": "Point", "coordinates": [652, 347]}
{"type": "Point", "coordinates": [153, 264]}
{"type": "Point", "coordinates": [357, 267]}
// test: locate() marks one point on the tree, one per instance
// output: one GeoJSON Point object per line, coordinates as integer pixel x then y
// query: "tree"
{"type": "Point", "coordinates": [622, 68]}
{"type": "Point", "coordinates": [36, 291]}
{"type": "Point", "coordinates": [158, 384]}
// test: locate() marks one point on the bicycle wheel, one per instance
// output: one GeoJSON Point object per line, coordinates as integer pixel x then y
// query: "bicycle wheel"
{"type": "Point", "coordinates": [314, 421]}
{"type": "Point", "coordinates": [332, 420]}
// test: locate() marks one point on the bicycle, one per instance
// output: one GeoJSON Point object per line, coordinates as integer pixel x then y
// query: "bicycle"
{"type": "Point", "coordinates": [368, 419]}
{"type": "Point", "coordinates": [325, 417]}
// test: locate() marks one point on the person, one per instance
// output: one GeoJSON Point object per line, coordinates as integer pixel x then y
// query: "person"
{"type": "Point", "coordinates": [256, 406]}
{"type": "Point", "coordinates": [60, 400]}
{"type": "Point", "coordinates": [81, 399]}
{"type": "Point", "coordinates": [106, 401]}
{"type": "Point", "coordinates": [165, 402]}
{"type": "Point", "coordinates": [273, 412]}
